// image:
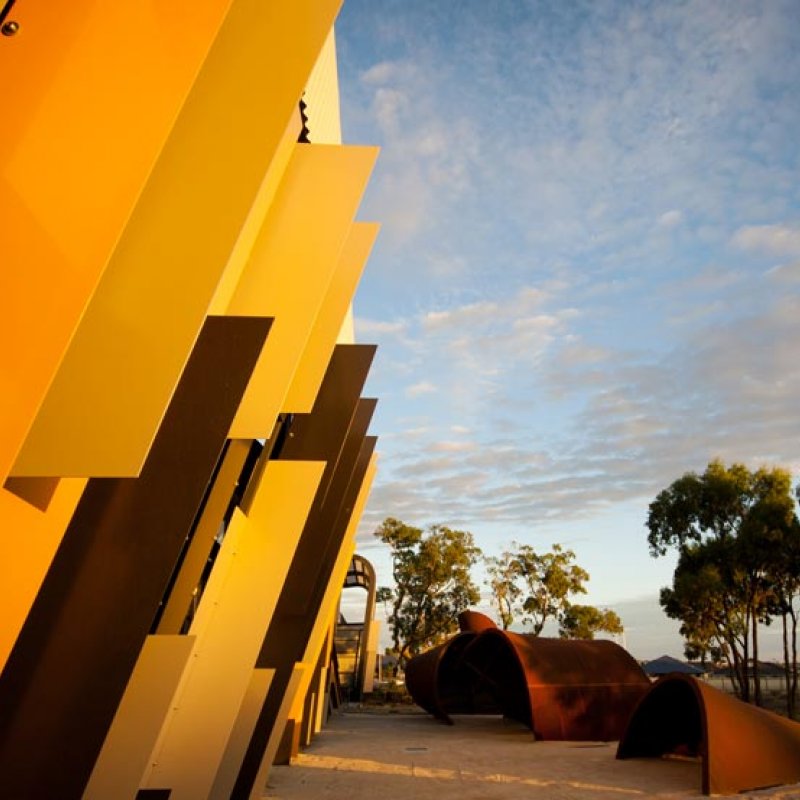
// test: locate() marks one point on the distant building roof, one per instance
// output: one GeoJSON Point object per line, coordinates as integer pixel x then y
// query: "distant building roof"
{"type": "Point", "coordinates": [766, 669]}
{"type": "Point", "coordinates": [666, 664]}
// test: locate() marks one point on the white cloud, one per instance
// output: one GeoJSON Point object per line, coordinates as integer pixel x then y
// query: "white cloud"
{"type": "Point", "coordinates": [785, 273]}
{"type": "Point", "coordinates": [452, 447]}
{"type": "Point", "coordinates": [380, 73]}
{"type": "Point", "coordinates": [371, 327]}
{"type": "Point", "coordinates": [709, 279]}
{"type": "Point", "coordinates": [518, 308]}
{"type": "Point", "coordinates": [780, 240]}
{"type": "Point", "coordinates": [670, 219]}
{"type": "Point", "coordinates": [727, 389]}
{"type": "Point", "coordinates": [460, 318]}
{"type": "Point", "coordinates": [579, 353]}
{"type": "Point", "coordinates": [557, 193]}
{"type": "Point", "coordinates": [419, 389]}
{"type": "Point", "coordinates": [388, 105]}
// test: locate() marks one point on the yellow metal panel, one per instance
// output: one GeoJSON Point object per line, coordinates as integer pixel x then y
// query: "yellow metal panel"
{"type": "Point", "coordinates": [372, 651]}
{"type": "Point", "coordinates": [30, 540]}
{"type": "Point", "coordinates": [277, 732]}
{"type": "Point", "coordinates": [322, 694]}
{"type": "Point", "coordinates": [84, 118]}
{"type": "Point", "coordinates": [255, 219]}
{"type": "Point", "coordinates": [317, 638]}
{"type": "Point", "coordinates": [330, 603]}
{"type": "Point", "coordinates": [107, 399]}
{"type": "Point", "coordinates": [347, 334]}
{"type": "Point", "coordinates": [241, 734]}
{"type": "Point", "coordinates": [322, 97]}
{"type": "Point", "coordinates": [291, 266]}
{"type": "Point", "coordinates": [320, 687]}
{"type": "Point", "coordinates": [316, 700]}
{"type": "Point", "coordinates": [328, 608]}
{"type": "Point", "coordinates": [126, 750]}
{"type": "Point", "coordinates": [319, 348]}
{"type": "Point", "coordinates": [230, 625]}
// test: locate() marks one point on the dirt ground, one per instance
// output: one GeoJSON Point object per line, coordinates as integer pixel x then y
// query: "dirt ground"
{"type": "Point", "coordinates": [380, 756]}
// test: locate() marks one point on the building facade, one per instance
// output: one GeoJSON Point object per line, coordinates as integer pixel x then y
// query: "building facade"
{"type": "Point", "coordinates": [185, 451]}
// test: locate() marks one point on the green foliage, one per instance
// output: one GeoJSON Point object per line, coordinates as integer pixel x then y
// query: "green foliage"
{"type": "Point", "coordinates": [383, 595]}
{"type": "Point", "coordinates": [583, 622]}
{"type": "Point", "coordinates": [549, 580]}
{"type": "Point", "coordinates": [503, 576]}
{"type": "Point", "coordinates": [538, 586]}
{"type": "Point", "coordinates": [713, 619]}
{"type": "Point", "coordinates": [738, 538]}
{"type": "Point", "coordinates": [431, 571]}
{"type": "Point", "coordinates": [722, 503]}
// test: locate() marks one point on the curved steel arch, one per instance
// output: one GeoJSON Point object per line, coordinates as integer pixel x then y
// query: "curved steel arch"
{"type": "Point", "coordinates": [742, 747]}
{"type": "Point", "coordinates": [561, 689]}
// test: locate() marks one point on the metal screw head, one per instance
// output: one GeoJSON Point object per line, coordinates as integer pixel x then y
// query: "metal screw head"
{"type": "Point", "coordinates": [9, 28]}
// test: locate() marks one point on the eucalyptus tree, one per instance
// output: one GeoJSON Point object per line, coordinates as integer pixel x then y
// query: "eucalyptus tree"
{"type": "Point", "coordinates": [549, 580]}
{"type": "Point", "coordinates": [432, 583]}
{"type": "Point", "coordinates": [583, 622]}
{"type": "Point", "coordinates": [503, 576]}
{"type": "Point", "coordinates": [536, 587]}
{"type": "Point", "coordinates": [729, 527]}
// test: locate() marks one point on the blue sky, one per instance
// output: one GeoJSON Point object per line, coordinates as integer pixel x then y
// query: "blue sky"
{"type": "Point", "coordinates": [588, 276]}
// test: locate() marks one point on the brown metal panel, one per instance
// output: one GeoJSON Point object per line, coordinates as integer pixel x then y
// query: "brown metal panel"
{"type": "Point", "coordinates": [334, 431]}
{"type": "Point", "coordinates": [742, 747]}
{"type": "Point", "coordinates": [320, 435]}
{"type": "Point", "coordinates": [199, 547]}
{"type": "Point", "coordinates": [290, 629]}
{"type": "Point", "coordinates": [289, 744]}
{"type": "Point", "coordinates": [75, 654]}
{"type": "Point", "coordinates": [36, 491]}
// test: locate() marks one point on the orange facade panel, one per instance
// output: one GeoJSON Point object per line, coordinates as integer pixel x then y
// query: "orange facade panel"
{"type": "Point", "coordinates": [147, 310]}
{"type": "Point", "coordinates": [36, 535]}
{"type": "Point", "coordinates": [91, 94]}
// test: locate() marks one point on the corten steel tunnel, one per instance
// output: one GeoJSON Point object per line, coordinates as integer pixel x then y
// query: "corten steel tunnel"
{"type": "Point", "coordinates": [561, 689]}
{"type": "Point", "coordinates": [742, 747]}
{"type": "Point", "coordinates": [437, 682]}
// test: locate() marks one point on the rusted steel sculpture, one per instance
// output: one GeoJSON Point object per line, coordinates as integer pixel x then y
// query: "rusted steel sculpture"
{"type": "Point", "coordinates": [474, 622]}
{"type": "Point", "coordinates": [561, 689]}
{"type": "Point", "coordinates": [742, 747]}
{"type": "Point", "coordinates": [435, 682]}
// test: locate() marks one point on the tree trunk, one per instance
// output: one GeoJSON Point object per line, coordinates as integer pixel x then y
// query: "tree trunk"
{"type": "Point", "coordinates": [793, 692]}
{"type": "Point", "coordinates": [742, 675]}
{"type": "Point", "coordinates": [746, 659]}
{"type": "Point", "coordinates": [787, 667]}
{"type": "Point", "coordinates": [756, 672]}
{"type": "Point", "coordinates": [738, 675]}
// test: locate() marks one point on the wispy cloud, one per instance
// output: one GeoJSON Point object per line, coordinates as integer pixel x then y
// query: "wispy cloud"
{"type": "Point", "coordinates": [780, 240]}
{"type": "Point", "coordinates": [785, 273]}
{"type": "Point", "coordinates": [590, 248]}
{"type": "Point", "coordinates": [368, 328]}
{"type": "Point", "coordinates": [419, 389]}
{"type": "Point", "coordinates": [670, 219]}
{"type": "Point", "coordinates": [604, 426]}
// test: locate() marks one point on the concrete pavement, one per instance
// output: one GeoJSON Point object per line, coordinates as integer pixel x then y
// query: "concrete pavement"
{"type": "Point", "coordinates": [388, 756]}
